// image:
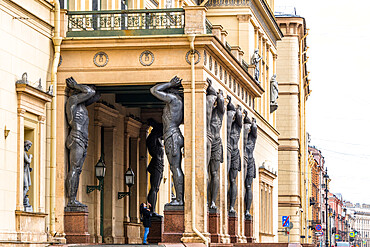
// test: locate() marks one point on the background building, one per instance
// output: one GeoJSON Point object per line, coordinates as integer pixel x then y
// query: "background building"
{"type": "Point", "coordinates": [291, 123]}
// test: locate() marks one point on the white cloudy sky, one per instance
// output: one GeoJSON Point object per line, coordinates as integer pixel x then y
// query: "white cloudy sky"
{"type": "Point", "coordinates": [338, 116]}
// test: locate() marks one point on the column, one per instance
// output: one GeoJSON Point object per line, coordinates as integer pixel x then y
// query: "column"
{"type": "Point", "coordinates": [244, 39]}
{"type": "Point", "coordinates": [96, 208]}
{"type": "Point", "coordinates": [20, 162]}
{"type": "Point", "coordinates": [134, 164]}
{"type": "Point", "coordinates": [110, 191]}
{"type": "Point", "coordinates": [225, 237]}
{"type": "Point", "coordinates": [42, 170]}
{"type": "Point", "coordinates": [126, 203]}
{"type": "Point", "coordinates": [201, 211]}
{"type": "Point", "coordinates": [241, 192]}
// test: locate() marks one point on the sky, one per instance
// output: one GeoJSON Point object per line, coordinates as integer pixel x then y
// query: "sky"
{"type": "Point", "coordinates": [338, 118]}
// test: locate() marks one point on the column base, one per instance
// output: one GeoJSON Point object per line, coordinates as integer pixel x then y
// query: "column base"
{"type": "Point", "coordinates": [233, 226]}
{"type": "Point", "coordinates": [214, 226]}
{"type": "Point", "coordinates": [156, 231]}
{"type": "Point", "coordinates": [225, 238]}
{"type": "Point", "coordinates": [248, 231]}
{"type": "Point", "coordinates": [191, 237]}
{"type": "Point", "coordinates": [76, 227]}
{"type": "Point", "coordinates": [173, 223]}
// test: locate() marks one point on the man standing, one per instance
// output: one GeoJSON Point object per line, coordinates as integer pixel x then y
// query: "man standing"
{"type": "Point", "coordinates": [251, 166]}
{"type": "Point", "coordinates": [155, 167]}
{"type": "Point", "coordinates": [215, 113]}
{"type": "Point", "coordinates": [77, 140]}
{"type": "Point", "coordinates": [173, 114]}
{"type": "Point", "coordinates": [234, 163]}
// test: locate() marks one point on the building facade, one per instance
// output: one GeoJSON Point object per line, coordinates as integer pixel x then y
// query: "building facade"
{"type": "Point", "coordinates": [291, 123]}
{"type": "Point", "coordinates": [124, 49]}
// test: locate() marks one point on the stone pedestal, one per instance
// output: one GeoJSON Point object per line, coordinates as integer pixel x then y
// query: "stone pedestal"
{"type": "Point", "coordinates": [214, 226]}
{"type": "Point", "coordinates": [75, 227]}
{"type": "Point", "coordinates": [156, 231]}
{"type": "Point", "coordinates": [30, 227]}
{"type": "Point", "coordinates": [248, 230]}
{"type": "Point", "coordinates": [233, 227]}
{"type": "Point", "coordinates": [173, 224]}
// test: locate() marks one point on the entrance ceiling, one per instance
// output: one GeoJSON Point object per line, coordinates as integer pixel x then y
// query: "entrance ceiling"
{"type": "Point", "coordinates": [133, 95]}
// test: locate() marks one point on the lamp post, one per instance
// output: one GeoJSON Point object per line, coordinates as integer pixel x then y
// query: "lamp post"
{"type": "Point", "coordinates": [100, 174]}
{"type": "Point", "coordinates": [326, 177]}
{"type": "Point", "coordinates": [129, 180]}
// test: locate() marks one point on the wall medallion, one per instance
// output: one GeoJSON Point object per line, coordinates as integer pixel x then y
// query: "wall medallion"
{"type": "Point", "coordinates": [146, 58]}
{"type": "Point", "coordinates": [100, 59]}
{"type": "Point", "coordinates": [196, 57]}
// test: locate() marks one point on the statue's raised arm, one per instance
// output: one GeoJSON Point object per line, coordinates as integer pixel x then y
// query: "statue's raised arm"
{"type": "Point", "coordinates": [160, 90]}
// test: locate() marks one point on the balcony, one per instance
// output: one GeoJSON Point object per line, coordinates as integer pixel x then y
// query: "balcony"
{"type": "Point", "coordinates": [125, 22]}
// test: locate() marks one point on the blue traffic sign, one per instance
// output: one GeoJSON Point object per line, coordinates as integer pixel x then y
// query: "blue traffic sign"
{"type": "Point", "coordinates": [285, 221]}
{"type": "Point", "coordinates": [318, 227]}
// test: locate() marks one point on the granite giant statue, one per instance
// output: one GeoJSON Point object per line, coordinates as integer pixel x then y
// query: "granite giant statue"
{"type": "Point", "coordinates": [155, 167]}
{"type": "Point", "coordinates": [215, 110]}
{"type": "Point", "coordinates": [27, 176]}
{"type": "Point", "coordinates": [173, 114]}
{"type": "Point", "coordinates": [234, 126]}
{"type": "Point", "coordinates": [77, 140]}
{"type": "Point", "coordinates": [256, 58]}
{"type": "Point", "coordinates": [251, 166]}
{"type": "Point", "coordinates": [274, 94]}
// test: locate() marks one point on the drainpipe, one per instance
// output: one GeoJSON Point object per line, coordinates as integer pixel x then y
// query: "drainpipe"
{"type": "Point", "coordinates": [195, 230]}
{"type": "Point", "coordinates": [57, 40]}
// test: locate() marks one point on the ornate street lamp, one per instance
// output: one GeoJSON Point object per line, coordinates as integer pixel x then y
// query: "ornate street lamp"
{"type": "Point", "coordinates": [326, 177]}
{"type": "Point", "coordinates": [130, 181]}
{"type": "Point", "coordinates": [100, 174]}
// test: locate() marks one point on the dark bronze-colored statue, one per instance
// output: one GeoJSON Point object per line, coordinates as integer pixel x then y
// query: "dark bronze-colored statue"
{"type": "Point", "coordinates": [27, 176]}
{"type": "Point", "coordinates": [234, 126]}
{"type": "Point", "coordinates": [173, 114]}
{"type": "Point", "coordinates": [155, 167]}
{"type": "Point", "coordinates": [77, 140]}
{"type": "Point", "coordinates": [256, 58]}
{"type": "Point", "coordinates": [215, 112]}
{"type": "Point", "coordinates": [251, 166]}
{"type": "Point", "coordinates": [274, 94]}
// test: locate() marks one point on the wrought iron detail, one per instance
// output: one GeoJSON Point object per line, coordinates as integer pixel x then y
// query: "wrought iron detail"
{"type": "Point", "coordinates": [116, 20]}
{"type": "Point", "coordinates": [197, 60]}
{"type": "Point", "coordinates": [60, 60]}
{"type": "Point", "coordinates": [100, 59]}
{"type": "Point", "coordinates": [208, 27]}
{"type": "Point", "coordinates": [148, 58]}
{"type": "Point", "coordinates": [217, 3]}
{"type": "Point", "coordinates": [123, 194]}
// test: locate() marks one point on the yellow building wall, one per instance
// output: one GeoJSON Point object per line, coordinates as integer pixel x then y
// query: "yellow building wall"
{"type": "Point", "coordinates": [25, 46]}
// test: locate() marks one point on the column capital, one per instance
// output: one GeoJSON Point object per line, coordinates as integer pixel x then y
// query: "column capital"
{"type": "Point", "coordinates": [21, 112]}
{"type": "Point", "coordinates": [41, 118]}
{"type": "Point", "coordinates": [200, 86]}
{"type": "Point", "coordinates": [244, 18]}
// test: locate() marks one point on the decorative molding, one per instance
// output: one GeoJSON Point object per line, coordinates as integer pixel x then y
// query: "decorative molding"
{"type": "Point", "coordinates": [103, 59]}
{"type": "Point", "coordinates": [197, 59]}
{"type": "Point", "coordinates": [148, 59]}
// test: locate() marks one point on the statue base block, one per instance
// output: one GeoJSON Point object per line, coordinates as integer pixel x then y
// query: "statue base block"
{"type": "Point", "coordinates": [214, 226]}
{"type": "Point", "coordinates": [156, 231]}
{"type": "Point", "coordinates": [233, 226]}
{"type": "Point", "coordinates": [75, 227]}
{"type": "Point", "coordinates": [173, 224]}
{"type": "Point", "coordinates": [248, 230]}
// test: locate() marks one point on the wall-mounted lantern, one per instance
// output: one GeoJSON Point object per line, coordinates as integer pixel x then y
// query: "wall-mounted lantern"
{"type": "Point", "coordinates": [130, 181]}
{"type": "Point", "coordinates": [100, 174]}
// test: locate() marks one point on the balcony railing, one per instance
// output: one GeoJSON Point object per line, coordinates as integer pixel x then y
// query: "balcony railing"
{"type": "Point", "coordinates": [125, 22]}
{"type": "Point", "coordinates": [208, 27]}
{"type": "Point", "coordinates": [216, 3]}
